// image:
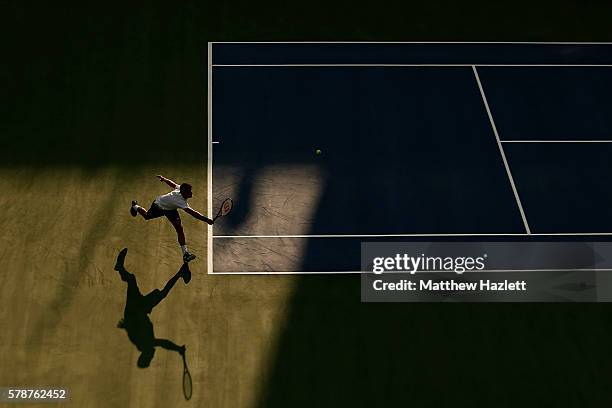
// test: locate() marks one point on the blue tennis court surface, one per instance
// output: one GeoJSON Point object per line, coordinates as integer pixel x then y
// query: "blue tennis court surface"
{"type": "Point", "coordinates": [419, 141]}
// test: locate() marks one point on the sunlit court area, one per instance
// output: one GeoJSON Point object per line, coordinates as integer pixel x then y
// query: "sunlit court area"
{"type": "Point", "coordinates": [348, 138]}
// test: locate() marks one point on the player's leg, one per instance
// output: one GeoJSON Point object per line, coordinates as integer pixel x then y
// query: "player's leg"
{"type": "Point", "coordinates": [175, 219]}
{"type": "Point", "coordinates": [178, 226]}
{"type": "Point", "coordinates": [153, 212]}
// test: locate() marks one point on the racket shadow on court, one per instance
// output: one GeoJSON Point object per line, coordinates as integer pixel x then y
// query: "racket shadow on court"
{"type": "Point", "coordinates": [136, 321]}
{"type": "Point", "coordinates": [187, 384]}
{"type": "Point", "coordinates": [245, 197]}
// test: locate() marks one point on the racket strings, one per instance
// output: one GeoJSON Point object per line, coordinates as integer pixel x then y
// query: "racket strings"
{"type": "Point", "coordinates": [225, 208]}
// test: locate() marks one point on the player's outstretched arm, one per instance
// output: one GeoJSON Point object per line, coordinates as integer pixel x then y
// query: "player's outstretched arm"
{"type": "Point", "coordinates": [169, 345]}
{"type": "Point", "coordinates": [167, 181]}
{"type": "Point", "coordinates": [198, 215]}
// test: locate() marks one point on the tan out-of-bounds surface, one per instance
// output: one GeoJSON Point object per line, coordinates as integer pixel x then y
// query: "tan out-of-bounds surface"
{"type": "Point", "coordinates": [60, 299]}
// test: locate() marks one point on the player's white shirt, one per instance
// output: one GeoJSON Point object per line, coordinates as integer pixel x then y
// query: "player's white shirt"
{"type": "Point", "coordinates": [172, 201]}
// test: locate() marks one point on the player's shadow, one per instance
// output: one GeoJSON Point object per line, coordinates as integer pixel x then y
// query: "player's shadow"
{"type": "Point", "coordinates": [136, 321]}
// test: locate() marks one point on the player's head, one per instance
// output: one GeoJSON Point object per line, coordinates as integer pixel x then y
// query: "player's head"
{"type": "Point", "coordinates": [145, 357]}
{"type": "Point", "coordinates": [185, 190]}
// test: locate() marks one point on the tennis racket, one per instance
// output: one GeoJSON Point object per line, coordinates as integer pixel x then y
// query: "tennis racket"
{"type": "Point", "coordinates": [187, 386]}
{"type": "Point", "coordinates": [225, 209]}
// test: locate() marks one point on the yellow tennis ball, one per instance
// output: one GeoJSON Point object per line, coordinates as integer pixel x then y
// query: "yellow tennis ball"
{"type": "Point", "coordinates": [318, 152]}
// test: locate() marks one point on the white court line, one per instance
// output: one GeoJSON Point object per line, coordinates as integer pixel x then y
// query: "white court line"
{"type": "Point", "coordinates": [556, 141]}
{"type": "Point", "coordinates": [414, 42]}
{"type": "Point", "coordinates": [402, 235]}
{"type": "Point", "coordinates": [501, 151]}
{"type": "Point", "coordinates": [287, 273]}
{"type": "Point", "coordinates": [554, 234]}
{"type": "Point", "coordinates": [414, 65]}
{"type": "Point", "coordinates": [209, 243]}
{"type": "Point", "coordinates": [398, 272]}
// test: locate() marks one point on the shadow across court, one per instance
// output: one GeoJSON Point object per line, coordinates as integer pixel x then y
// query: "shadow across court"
{"type": "Point", "coordinates": [91, 86]}
{"type": "Point", "coordinates": [335, 351]}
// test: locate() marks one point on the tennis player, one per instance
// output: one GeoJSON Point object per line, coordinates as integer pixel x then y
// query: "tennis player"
{"type": "Point", "coordinates": [167, 205]}
{"type": "Point", "coordinates": [136, 320]}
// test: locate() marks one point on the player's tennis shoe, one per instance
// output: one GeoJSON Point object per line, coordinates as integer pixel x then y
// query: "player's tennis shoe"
{"type": "Point", "coordinates": [188, 257]}
{"type": "Point", "coordinates": [133, 208]}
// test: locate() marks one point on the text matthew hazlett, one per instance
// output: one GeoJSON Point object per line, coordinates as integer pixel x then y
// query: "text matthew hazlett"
{"type": "Point", "coordinates": [451, 285]}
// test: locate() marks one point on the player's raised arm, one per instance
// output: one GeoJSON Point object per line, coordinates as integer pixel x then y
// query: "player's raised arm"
{"type": "Point", "coordinates": [167, 181]}
{"type": "Point", "coordinates": [198, 215]}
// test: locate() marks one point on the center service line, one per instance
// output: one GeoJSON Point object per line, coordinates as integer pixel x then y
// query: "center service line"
{"type": "Point", "coordinates": [553, 234]}
{"type": "Point", "coordinates": [558, 141]}
{"type": "Point", "coordinates": [501, 151]}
